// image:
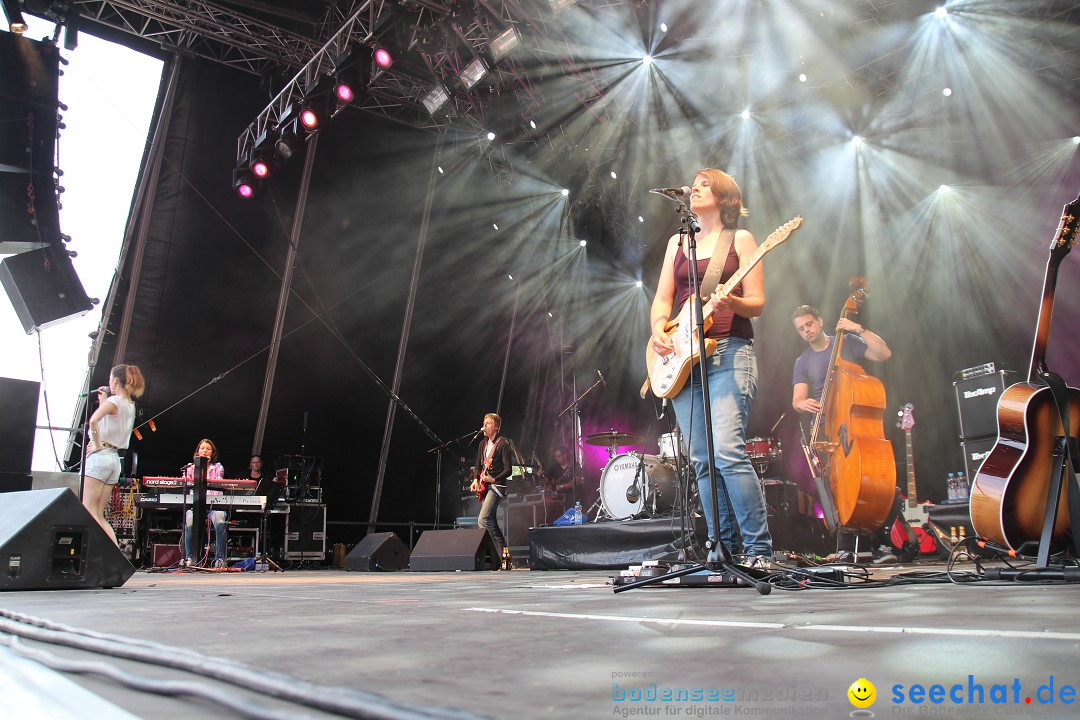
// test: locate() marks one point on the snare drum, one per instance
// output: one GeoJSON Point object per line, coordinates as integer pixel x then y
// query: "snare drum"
{"type": "Point", "coordinates": [656, 485]}
{"type": "Point", "coordinates": [759, 448]}
{"type": "Point", "coordinates": [672, 446]}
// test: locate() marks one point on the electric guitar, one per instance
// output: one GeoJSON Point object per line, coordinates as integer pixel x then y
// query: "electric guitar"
{"type": "Point", "coordinates": [483, 485]}
{"type": "Point", "coordinates": [1011, 489]}
{"type": "Point", "coordinates": [668, 373]}
{"type": "Point", "coordinates": [916, 513]}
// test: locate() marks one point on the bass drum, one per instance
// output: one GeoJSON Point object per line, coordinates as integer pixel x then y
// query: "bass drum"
{"type": "Point", "coordinates": [656, 485]}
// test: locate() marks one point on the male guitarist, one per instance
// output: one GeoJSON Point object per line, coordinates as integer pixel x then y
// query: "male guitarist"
{"type": "Point", "coordinates": [495, 463]}
{"type": "Point", "coordinates": [808, 381]}
{"type": "Point", "coordinates": [742, 524]}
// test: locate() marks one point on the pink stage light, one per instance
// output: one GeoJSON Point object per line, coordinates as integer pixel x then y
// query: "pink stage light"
{"type": "Point", "coordinates": [383, 58]}
{"type": "Point", "coordinates": [344, 93]}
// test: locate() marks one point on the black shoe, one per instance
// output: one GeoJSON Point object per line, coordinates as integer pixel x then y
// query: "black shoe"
{"type": "Point", "coordinates": [884, 556]}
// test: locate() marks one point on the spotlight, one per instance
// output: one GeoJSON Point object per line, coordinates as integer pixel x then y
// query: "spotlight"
{"type": "Point", "coordinates": [310, 119]}
{"type": "Point", "coordinates": [504, 43]}
{"type": "Point", "coordinates": [289, 141]}
{"type": "Point", "coordinates": [565, 192]}
{"type": "Point", "coordinates": [745, 114]}
{"type": "Point", "coordinates": [263, 156]}
{"type": "Point", "coordinates": [243, 183]}
{"type": "Point", "coordinates": [490, 135]}
{"type": "Point", "coordinates": [343, 92]}
{"type": "Point", "coordinates": [802, 77]}
{"type": "Point", "coordinates": [16, 22]}
{"type": "Point", "coordinates": [382, 57]}
{"type": "Point", "coordinates": [856, 140]}
{"type": "Point", "coordinates": [473, 73]}
{"type": "Point", "coordinates": [582, 243]}
{"type": "Point", "coordinates": [436, 98]}
{"type": "Point", "coordinates": [947, 92]}
{"type": "Point", "coordinates": [941, 12]}
{"type": "Point", "coordinates": [71, 32]}
{"type": "Point", "coordinates": [944, 188]}
{"type": "Point", "coordinates": [663, 27]}
{"type": "Point", "coordinates": [637, 284]}
{"type": "Point", "coordinates": [646, 59]}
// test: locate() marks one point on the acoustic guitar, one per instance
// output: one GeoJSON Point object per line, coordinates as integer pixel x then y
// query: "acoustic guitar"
{"type": "Point", "coordinates": [1011, 488]}
{"type": "Point", "coordinates": [668, 373]}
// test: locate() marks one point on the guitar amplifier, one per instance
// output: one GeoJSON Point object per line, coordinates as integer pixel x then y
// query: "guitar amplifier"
{"type": "Point", "coordinates": [976, 402]}
{"type": "Point", "coordinates": [975, 451]}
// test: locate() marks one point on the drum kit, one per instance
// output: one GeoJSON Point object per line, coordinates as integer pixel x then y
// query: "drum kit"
{"type": "Point", "coordinates": [635, 483]}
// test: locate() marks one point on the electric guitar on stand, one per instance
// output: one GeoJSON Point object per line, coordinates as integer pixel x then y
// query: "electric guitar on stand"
{"type": "Point", "coordinates": [917, 514]}
{"type": "Point", "coordinates": [668, 373]}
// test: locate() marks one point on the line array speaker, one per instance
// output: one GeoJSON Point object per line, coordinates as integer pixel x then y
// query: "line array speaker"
{"type": "Point", "coordinates": [43, 287]}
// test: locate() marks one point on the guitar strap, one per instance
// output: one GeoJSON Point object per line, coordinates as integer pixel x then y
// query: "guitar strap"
{"type": "Point", "coordinates": [717, 262]}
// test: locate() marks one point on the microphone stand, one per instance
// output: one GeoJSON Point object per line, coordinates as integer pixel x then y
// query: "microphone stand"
{"type": "Point", "coordinates": [725, 563]}
{"type": "Point", "coordinates": [575, 436]}
{"type": "Point", "coordinates": [438, 450]}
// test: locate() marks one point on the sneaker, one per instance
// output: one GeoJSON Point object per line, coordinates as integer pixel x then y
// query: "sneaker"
{"type": "Point", "coordinates": [884, 556]}
{"type": "Point", "coordinates": [186, 562]}
{"type": "Point", "coordinates": [843, 557]}
{"type": "Point", "coordinates": [219, 563]}
{"type": "Point", "coordinates": [758, 562]}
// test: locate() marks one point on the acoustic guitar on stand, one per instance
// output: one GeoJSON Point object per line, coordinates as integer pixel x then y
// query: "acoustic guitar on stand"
{"type": "Point", "coordinates": [668, 373]}
{"type": "Point", "coordinates": [1013, 485]}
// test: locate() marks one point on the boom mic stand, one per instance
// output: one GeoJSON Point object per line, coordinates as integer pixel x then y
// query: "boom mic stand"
{"type": "Point", "coordinates": [725, 563]}
{"type": "Point", "coordinates": [572, 408]}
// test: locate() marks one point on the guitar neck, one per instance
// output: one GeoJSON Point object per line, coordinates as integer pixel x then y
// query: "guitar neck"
{"type": "Point", "coordinates": [1042, 328]}
{"type": "Point", "coordinates": [912, 496]}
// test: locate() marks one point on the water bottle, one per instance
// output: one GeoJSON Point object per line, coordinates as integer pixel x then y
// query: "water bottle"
{"type": "Point", "coordinates": [952, 486]}
{"type": "Point", "coordinates": [961, 486]}
{"type": "Point", "coordinates": [261, 565]}
{"type": "Point", "coordinates": [579, 516]}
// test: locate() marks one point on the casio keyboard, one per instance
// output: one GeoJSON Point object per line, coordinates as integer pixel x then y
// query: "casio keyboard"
{"type": "Point", "coordinates": [222, 484]}
{"type": "Point", "coordinates": [164, 501]}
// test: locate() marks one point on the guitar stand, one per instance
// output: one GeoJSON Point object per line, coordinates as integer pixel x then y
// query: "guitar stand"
{"type": "Point", "coordinates": [724, 563]}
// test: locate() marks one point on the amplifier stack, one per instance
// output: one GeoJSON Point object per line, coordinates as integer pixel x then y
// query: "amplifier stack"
{"type": "Point", "coordinates": [977, 393]}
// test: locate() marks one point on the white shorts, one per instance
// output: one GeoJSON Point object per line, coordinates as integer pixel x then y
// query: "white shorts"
{"type": "Point", "coordinates": [104, 465]}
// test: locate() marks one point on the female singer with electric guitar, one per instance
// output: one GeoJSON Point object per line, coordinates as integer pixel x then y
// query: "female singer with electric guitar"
{"type": "Point", "coordinates": [494, 457]}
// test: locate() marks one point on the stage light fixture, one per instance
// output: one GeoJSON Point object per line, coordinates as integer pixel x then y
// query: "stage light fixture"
{"type": "Point", "coordinates": [504, 43]}
{"type": "Point", "coordinates": [941, 12]}
{"type": "Point", "coordinates": [490, 135]}
{"type": "Point", "coordinates": [382, 57]}
{"type": "Point", "coordinates": [583, 243]}
{"type": "Point", "coordinates": [646, 59]}
{"type": "Point", "coordinates": [310, 118]}
{"type": "Point", "coordinates": [288, 142]}
{"type": "Point", "coordinates": [436, 97]}
{"type": "Point", "coordinates": [16, 22]}
{"type": "Point", "coordinates": [243, 182]}
{"type": "Point", "coordinates": [557, 6]}
{"type": "Point", "coordinates": [745, 114]}
{"type": "Point", "coordinates": [473, 73]}
{"type": "Point", "coordinates": [264, 156]}
{"type": "Point", "coordinates": [71, 32]}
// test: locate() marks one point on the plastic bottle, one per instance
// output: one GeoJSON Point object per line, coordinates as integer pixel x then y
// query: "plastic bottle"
{"type": "Point", "coordinates": [261, 565]}
{"type": "Point", "coordinates": [961, 486]}
{"type": "Point", "coordinates": [952, 486]}
{"type": "Point", "coordinates": [579, 516]}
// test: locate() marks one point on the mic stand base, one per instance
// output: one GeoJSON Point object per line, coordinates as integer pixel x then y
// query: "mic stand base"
{"type": "Point", "coordinates": [751, 577]}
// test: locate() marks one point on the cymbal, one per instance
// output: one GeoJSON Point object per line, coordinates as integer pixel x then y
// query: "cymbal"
{"type": "Point", "coordinates": [613, 437]}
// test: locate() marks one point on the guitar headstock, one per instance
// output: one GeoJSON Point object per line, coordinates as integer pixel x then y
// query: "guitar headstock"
{"type": "Point", "coordinates": [781, 233]}
{"type": "Point", "coordinates": [1065, 237]}
{"type": "Point", "coordinates": [907, 417]}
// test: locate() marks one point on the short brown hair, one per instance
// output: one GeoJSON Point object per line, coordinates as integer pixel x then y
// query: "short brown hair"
{"type": "Point", "coordinates": [727, 194]}
{"type": "Point", "coordinates": [496, 418]}
{"type": "Point", "coordinates": [805, 310]}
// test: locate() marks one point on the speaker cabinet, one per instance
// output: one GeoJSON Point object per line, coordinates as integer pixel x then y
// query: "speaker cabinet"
{"type": "Point", "coordinates": [976, 402]}
{"type": "Point", "coordinates": [18, 415]}
{"type": "Point", "coordinates": [165, 555]}
{"type": "Point", "coordinates": [49, 541]}
{"type": "Point", "coordinates": [975, 451]}
{"type": "Point", "coordinates": [442, 550]}
{"type": "Point", "coordinates": [305, 531]}
{"type": "Point", "coordinates": [378, 551]}
{"type": "Point", "coordinates": [43, 287]}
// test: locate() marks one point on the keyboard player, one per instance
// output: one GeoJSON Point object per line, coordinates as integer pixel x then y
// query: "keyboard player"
{"type": "Point", "coordinates": [215, 471]}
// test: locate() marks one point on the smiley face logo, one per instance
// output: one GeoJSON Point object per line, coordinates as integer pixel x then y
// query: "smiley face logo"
{"type": "Point", "coordinates": [862, 693]}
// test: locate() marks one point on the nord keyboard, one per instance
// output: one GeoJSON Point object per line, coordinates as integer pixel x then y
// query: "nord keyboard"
{"type": "Point", "coordinates": [176, 500]}
{"type": "Point", "coordinates": [223, 484]}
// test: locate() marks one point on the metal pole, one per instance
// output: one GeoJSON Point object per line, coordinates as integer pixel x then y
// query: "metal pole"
{"type": "Point", "coordinates": [410, 304]}
{"type": "Point", "coordinates": [283, 296]}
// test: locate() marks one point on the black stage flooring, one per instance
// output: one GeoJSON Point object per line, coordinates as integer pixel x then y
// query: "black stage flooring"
{"type": "Point", "coordinates": [532, 644]}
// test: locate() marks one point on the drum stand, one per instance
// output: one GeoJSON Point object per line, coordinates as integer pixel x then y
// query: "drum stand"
{"type": "Point", "coordinates": [724, 563]}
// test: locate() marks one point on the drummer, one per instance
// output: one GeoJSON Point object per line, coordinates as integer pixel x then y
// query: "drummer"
{"type": "Point", "coordinates": [563, 478]}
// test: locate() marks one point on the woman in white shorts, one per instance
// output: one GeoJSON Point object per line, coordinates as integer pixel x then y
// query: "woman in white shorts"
{"type": "Point", "coordinates": [110, 431]}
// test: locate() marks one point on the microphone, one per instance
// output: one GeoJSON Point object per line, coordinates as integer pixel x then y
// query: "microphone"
{"type": "Point", "coordinates": [673, 193]}
{"type": "Point", "coordinates": [102, 389]}
{"type": "Point", "coordinates": [601, 376]}
{"type": "Point", "coordinates": [476, 435]}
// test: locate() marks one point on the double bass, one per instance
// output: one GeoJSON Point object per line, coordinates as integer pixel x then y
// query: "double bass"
{"type": "Point", "coordinates": [848, 438]}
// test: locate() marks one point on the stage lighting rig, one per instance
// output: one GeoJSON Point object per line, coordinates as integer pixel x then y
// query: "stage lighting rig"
{"type": "Point", "coordinates": [243, 182]}
{"type": "Point", "coordinates": [264, 156]}
{"type": "Point", "coordinates": [289, 142]}
{"type": "Point", "coordinates": [473, 73]}
{"type": "Point", "coordinates": [16, 21]}
{"type": "Point", "coordinates": [436, 98]}
{"type": "Point", "coordinates": [504, 43]}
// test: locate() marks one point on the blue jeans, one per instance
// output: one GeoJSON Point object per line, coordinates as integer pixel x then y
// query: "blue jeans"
{"type": "Point", "coordinates": [732, 374]}
{"type": "Point", "coordinates": [217, 518]}
{"type": "Point", "coordinates": [488, 518]}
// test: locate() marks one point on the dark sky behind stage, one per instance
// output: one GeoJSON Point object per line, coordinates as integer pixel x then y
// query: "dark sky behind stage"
{"type": "Point", "coordinates": [932, 155]}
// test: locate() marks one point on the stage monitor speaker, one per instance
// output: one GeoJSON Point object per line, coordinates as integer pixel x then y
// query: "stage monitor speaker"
{"type": "Point", "coordinates": [378, 551]}
{"type": "Point", "coordinates": [49, 541]}
{"type": "Point", "coordinates": [442, 550]}
{"type": "Point", "coordinates": [18, 415]}
{"type": "Point", "coordinates": [975, 451]}
{"type": "Point", "coordinates": [976, 402]}
{"type": "Point", "coordinates": [43, 287]}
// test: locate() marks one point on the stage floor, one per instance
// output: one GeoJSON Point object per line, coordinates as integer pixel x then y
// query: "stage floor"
{"type": "Point", "coordinates": [559, 644]}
